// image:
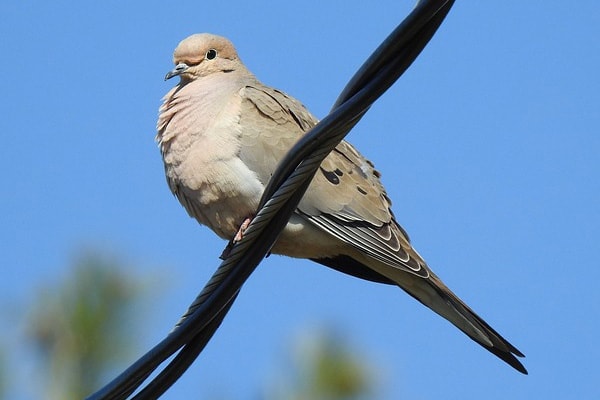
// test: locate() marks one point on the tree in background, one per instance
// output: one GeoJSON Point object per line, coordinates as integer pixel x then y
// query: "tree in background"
{"type": "Point", "coordinates": [82, 327]}
{"type": "Point", "coordinates": [326, 367]}
{"type": "Point", "coordinates": [85, 331]}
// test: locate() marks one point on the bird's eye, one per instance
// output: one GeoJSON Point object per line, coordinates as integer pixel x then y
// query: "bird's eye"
{"type": "Point", "coordinates": [211, 54]}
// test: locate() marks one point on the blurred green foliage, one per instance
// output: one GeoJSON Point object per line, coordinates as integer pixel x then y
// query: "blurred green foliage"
{"type": "Point", "coordinates": [84, 330]}
{"type": "Point", "coordinates": [326, 367]}
{"type": "Point", "coordinates": [82, 327]}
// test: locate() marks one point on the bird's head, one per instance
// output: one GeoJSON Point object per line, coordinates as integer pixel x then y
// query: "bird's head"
{"type": "Point", "coordinates": [203, 54]}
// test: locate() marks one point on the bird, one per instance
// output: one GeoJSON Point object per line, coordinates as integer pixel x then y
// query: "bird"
{"type": "Point", "coordinates": [221, 133]}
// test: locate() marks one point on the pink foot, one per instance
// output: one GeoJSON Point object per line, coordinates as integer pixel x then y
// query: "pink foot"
{"type": "Point", "coordinates": [240, 233]}
{"type": "Point", "coordinates": [238, 236]}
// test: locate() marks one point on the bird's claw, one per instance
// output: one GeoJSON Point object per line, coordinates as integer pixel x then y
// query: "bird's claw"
{"type": "Point", "coordinates": [238, 237]}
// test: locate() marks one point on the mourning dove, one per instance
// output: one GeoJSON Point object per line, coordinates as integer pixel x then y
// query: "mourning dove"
{"type": "Point", "coordinates": [221, 133]}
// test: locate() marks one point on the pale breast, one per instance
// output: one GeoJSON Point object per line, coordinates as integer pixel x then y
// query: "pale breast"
{"type": "Point", "coordinates": [199, 135]}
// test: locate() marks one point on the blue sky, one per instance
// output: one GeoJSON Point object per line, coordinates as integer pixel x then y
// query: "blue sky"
{"type": "Point", "coordinates": [489, 147]}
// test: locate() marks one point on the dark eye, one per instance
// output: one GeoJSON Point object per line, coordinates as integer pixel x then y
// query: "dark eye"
{"type": "Point", "coordinates": [211, 54]}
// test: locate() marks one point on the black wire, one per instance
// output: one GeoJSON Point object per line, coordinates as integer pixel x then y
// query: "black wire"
{"type": "Point", "coordinates": [206, 313]}
{"type": "Point", "coordinates": [414, 32]}
{"type": "Point", "coordinates": [410, 30]}
{"type": "Point", "coordinates": [183, 360]}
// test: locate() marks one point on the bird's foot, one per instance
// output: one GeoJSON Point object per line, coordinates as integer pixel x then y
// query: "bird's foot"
{"type": "Point", "coordinates": [240, 233]}
{"type": "Point", "coordinates": [238, 236]}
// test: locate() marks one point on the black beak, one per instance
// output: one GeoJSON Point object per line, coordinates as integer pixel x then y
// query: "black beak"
{"type": "Point", "coordinates": [178, 70]}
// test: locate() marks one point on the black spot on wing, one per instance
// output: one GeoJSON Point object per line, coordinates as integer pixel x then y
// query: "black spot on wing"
{"type": "Point", "coordinates": [331, 176]}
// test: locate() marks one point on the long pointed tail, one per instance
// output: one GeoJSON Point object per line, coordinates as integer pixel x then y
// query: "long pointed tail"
{"type": "Point", "coordinates": [434, 294]}
{"type": "Point", "coordinates": [428, 289]}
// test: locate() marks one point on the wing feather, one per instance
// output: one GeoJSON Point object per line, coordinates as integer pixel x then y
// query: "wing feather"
{"type": "Point", "coordinates": [346, 197]}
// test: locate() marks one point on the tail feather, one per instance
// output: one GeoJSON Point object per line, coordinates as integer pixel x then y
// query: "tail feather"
{"type": "Point", "coordinates": [432, 292]}
{"type": "Point", "coordinates": [435, 295]}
